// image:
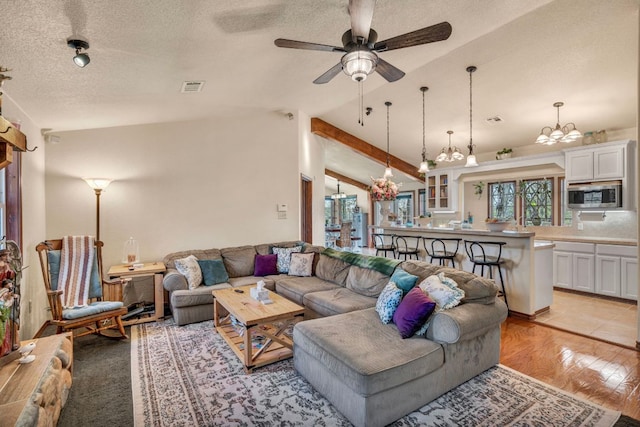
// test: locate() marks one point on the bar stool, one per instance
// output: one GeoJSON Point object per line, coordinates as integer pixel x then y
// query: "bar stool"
{"type": "Point", "coordinates": [441, 249]}
{"type": "Point", "coordinates": [384, 243]}
{"type": "Point", "coordinates": [477, 253]}
{"type": "Point", "coordinates": [406, 246]}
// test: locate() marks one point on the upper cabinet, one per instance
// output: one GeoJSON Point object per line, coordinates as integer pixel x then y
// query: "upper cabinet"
{"type": "Point", "coordinates": [442, 195]}
{"type": "Point", "coordinates": [604, 162]}
{"type": "Point", "coordinates": [596, 164]}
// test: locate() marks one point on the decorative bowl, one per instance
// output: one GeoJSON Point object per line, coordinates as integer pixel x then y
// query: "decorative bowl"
{"type": "Point", "coordinates": [497, 226]}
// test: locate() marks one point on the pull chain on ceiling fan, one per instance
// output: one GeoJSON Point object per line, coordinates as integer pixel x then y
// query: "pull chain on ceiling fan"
{"type": "Point", "coordinates": [361, 48]}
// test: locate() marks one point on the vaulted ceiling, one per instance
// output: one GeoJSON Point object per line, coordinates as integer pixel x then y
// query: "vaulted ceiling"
{"type": "Point", "coordinates": [529, 54]}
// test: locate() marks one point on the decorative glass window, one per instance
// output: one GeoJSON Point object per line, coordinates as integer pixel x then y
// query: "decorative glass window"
{"type": "Point", "coordinates": [422, 202]}
{"type": "Point", "coordinates": [502, 200]}
{"type": "Point", "coordinates": [347, 207]}
{"type": "Point", "coordinates": [537, 201]}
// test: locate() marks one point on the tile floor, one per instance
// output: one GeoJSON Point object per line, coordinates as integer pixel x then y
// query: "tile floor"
{"type": "Point", "coordinates": [604, 319]}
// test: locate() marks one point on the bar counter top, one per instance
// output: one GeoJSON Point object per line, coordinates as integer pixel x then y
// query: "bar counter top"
{"type": "Point", "coordinates": [458, 231]}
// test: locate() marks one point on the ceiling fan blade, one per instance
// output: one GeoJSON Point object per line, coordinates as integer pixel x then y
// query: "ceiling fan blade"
{"type": "Point", "coordinates": [361, 12]}
{"type": "Point", "coordinates": [331, 73]}
{"type": "Point", "coordinates": [434, 33]}
{"type": "Point", "coordinates": [294, 44]}
{"type": "Point", "coordinates": [388, 71]}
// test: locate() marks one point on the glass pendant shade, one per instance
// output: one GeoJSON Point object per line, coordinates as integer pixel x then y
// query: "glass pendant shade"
{"type": "Point", "coordinates": [471, 161]}
{"type": "Point", "coordinates": [388, 173]}
{"type": "Point", "coordinates": [424, 167]}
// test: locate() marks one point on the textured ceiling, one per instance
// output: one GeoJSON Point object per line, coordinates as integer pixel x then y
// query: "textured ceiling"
{"type": "Point", "coordinates": [529, 54]}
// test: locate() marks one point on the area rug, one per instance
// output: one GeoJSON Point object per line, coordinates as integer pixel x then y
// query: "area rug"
{"type": "Point", "coordinates": [187, 376]}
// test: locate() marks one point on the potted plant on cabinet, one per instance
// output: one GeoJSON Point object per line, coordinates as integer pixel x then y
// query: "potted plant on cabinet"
{"type": "Point", "coordinates": [505, 153]}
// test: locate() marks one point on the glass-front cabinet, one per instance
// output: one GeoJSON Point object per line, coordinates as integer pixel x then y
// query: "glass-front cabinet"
{"type": "Point", "coordinates": [441, 192]}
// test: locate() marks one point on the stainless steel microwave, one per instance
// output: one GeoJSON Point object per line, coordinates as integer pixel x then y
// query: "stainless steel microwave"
{"type": "Point", "coordinates": [596, 195]}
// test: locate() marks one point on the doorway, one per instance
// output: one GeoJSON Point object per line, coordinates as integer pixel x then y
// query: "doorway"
{"type": "Point", "coordinates": [306, 209]}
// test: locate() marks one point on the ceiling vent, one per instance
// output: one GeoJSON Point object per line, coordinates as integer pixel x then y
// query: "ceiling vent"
{"type": "Point", "coordinates": [192, 86]}
{"type": "Point", "coordinates": [494, 120]}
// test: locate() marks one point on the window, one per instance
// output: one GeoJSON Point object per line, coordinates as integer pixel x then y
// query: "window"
{"type": "Point", "coordinates": [566, 215]}
{"type": "Point", "coordinates": [537, 201]}
{"type": "Point", "coordinates": [422, 202]}
{"type": "Point", "coordinates": [403, 207]}
{"type": "Point", "coordinates": [502, 200]}
{"type": "Point", "coordinates": [337, 211]}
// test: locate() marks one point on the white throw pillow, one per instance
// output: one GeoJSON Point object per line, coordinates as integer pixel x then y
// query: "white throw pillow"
{"type": "Point", "coordinates": [301, 264]}
{"type": "Point", "coordinates": [445, 292]}
{"type": "Point", "coordinates": [190, 269]}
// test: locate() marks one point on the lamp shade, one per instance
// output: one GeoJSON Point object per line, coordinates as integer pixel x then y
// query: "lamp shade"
{"type": "Point", "coordinates": [98, 183]}
{"type": "Point", "coordinates": [471, 161]}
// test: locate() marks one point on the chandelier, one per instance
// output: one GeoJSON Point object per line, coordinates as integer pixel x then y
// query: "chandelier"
{"type": "Point", "coordinates": [338, 194]}
{"type": "Point", "coordinates": [449, 154]}
{"type": "Point", "coordinates": [387, 171]}
{"type": "Point", "coordinates": [424, 164]}
{"type": "Point", "coordinates": [566, 133]}
{"type": "Point", "coordinates": [471, 158]}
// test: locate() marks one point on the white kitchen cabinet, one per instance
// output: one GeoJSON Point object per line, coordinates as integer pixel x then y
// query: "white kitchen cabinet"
{"type": "Point", "coordinates": [595, 164]}
{"type": "Point", "coordinates": [442, 192]}
{"type": "Point", "coordinates": [617, 271]}
{"type": "Point", "coordinates": [629, 277]}
{"type": "Point", "coordinates": [573, 266]}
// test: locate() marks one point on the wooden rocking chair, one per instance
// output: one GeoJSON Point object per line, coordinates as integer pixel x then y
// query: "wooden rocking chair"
{"type": "Point", "coordinates": [98, 315]}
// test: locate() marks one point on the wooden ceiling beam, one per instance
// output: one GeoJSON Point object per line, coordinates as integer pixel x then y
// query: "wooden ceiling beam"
{"type": "Point", "coordinates": [327, 130]}
{"type": "Point", "coordinates": [346, 179]}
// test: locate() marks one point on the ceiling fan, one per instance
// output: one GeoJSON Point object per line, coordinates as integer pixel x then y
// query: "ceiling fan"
{"type": "Point", "coordinates": [360, 45]}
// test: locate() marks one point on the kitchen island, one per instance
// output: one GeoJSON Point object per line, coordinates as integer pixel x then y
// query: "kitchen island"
{"type": "Point", "coordinates": [526, 296]}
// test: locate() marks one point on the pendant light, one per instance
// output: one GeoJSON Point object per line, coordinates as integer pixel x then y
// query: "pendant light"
{"type": "Point", "coordinates": [449, 154]}
{"type": "Point", "coordinates": [424, 164]}
{"type": "Point", "coordinates": [387, 171]}
{"type": "Point", "coordinates": [338, 194]}
{"type": "Point", "coordinates": [566, 133]}
{"type": "Point", "coordinates": [471, 158]}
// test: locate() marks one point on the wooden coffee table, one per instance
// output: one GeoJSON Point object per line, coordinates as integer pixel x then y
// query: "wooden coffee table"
{"type": "Point", "coordinates": [254, 320]}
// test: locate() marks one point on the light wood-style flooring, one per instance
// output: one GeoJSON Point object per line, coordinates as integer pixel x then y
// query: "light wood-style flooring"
{"type": "Point", "coordinates": [609, 320]}
{"type": "Point", "coordinates": [600, 372]}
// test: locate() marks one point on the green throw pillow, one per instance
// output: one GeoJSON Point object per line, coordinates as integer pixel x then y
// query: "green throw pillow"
{"type": "Point", "coordinates": [403, 280]}
{"type": "Point", "coordinates": [213, 271]}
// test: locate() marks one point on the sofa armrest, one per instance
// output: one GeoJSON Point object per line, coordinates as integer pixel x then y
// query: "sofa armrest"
{"type": "Point", "coordinates": [174, 281]}
{"type": "Point", "coordinates": [465, 321]}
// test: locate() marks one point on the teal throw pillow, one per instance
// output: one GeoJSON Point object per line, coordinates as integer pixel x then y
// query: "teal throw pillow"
{"type": "Point", "coordinates": [403, 280]}
{"type": "Point", "coordinates": [213, 271]}
{"type": "Point", "coordinates": [388, 302]}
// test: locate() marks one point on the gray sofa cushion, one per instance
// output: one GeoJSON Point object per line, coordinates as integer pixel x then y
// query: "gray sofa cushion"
{"type": "Point", "coordinates": [269, 281]}
{"type": "Point", "coordinates": [294, 288]}
{"type": "Point", "coordinates": [337, 301]}
{"type": "Point", "coordinates": [239, 261]}
{"type": "Point", "coordinates": [421, 269]}
{"type": "Point", "coordinates": [465, 321]}
{"type": "Point", "coordinates": [332, 270]}
{"type": "Point", "coordinates": [198, 253]}
{"type": "Point", "coordinates": [198, 296]}
{"type": "Point", "coordinates": [476, 289]}
{"type": "Point", "coordinates": [365, 281]}
{"type": "Point", "coordinates": [368, 356]}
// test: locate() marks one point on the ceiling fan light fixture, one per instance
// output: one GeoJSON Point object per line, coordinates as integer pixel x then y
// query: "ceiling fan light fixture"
{"type": "Point", "coordinates": [359, 63]}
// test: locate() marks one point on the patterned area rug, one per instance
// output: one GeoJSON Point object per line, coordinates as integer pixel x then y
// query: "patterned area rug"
{"type": "Point", "coordinates": [187, 376]}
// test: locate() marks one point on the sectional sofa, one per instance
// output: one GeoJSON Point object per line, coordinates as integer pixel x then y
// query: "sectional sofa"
{"type": "Point", "coordinates": [363, 367]}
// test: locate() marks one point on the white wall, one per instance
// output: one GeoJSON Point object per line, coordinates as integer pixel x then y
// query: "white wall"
{"type": "Point", "coordinates": [311, 163]}
{"type": "Point", "coordinates": [178, 186]}
{"type": "Point", "coordinates": [33, 224]}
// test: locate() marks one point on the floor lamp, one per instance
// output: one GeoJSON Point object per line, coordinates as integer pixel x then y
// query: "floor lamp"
{"type": "Point", "coordinates": [98, 185]}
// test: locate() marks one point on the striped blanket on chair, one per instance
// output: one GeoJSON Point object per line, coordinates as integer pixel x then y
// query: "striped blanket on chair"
{"type": "Point", "coordinates": [76, 261]}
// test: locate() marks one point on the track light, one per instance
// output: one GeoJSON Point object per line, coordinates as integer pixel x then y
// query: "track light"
{"type": "Point", "coordinates": [81, 59]}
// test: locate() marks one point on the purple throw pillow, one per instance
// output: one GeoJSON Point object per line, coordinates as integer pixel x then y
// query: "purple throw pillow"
{"type": "Point", "coordinates": [414, 309]}
{"type": "Point", "coordinates": [266, 265]}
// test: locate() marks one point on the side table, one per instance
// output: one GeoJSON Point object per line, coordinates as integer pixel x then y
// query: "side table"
{"type": "Point", "coordinates": [113, 291]}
